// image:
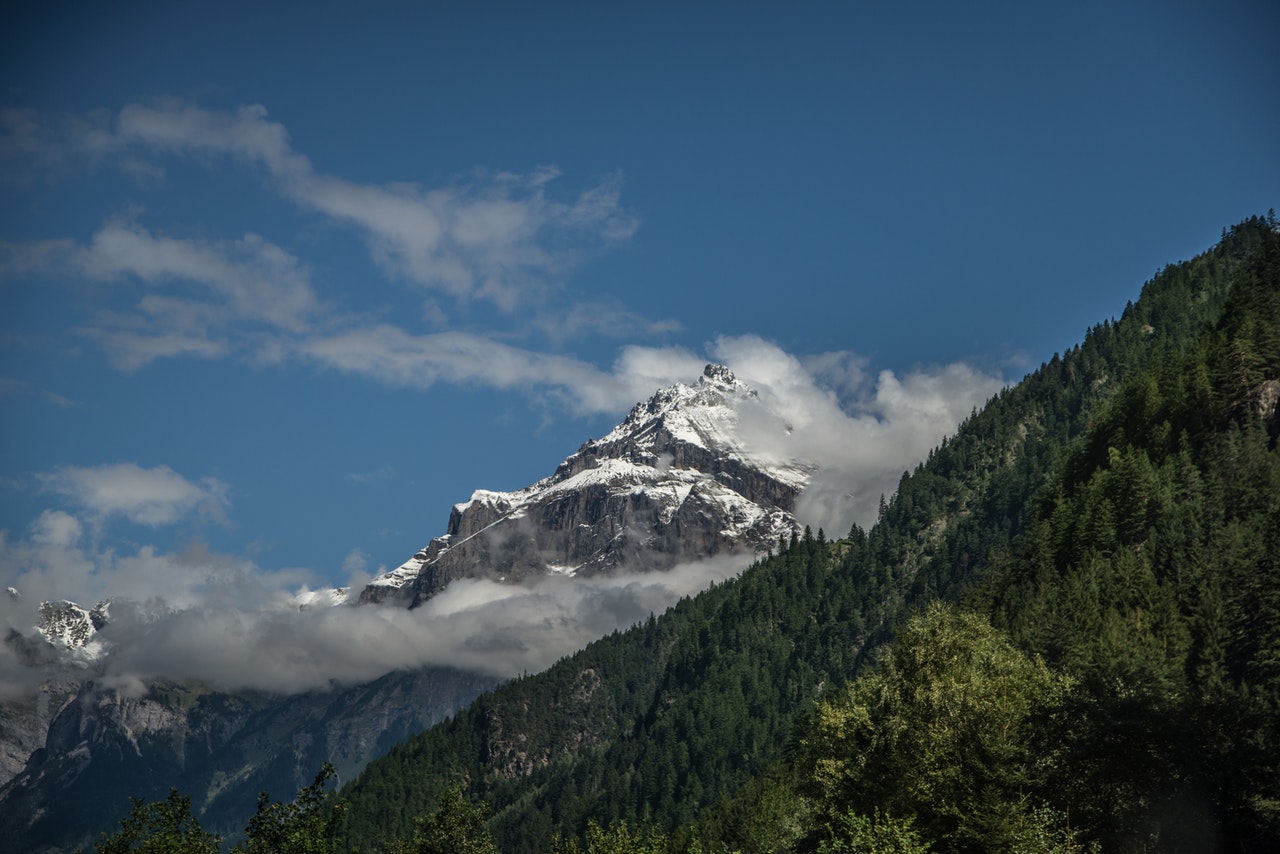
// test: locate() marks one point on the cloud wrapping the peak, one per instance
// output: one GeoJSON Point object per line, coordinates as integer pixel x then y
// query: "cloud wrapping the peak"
{"type": "Point", "coordinates": [860, 432]}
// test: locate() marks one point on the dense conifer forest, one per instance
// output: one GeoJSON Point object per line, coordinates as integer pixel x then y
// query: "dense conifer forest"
{"type": "Point", "coordinates": [1062, 634]}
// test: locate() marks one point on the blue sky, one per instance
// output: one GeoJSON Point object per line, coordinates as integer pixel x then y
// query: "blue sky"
{"type": "Point", "coordinates": [280, 283]}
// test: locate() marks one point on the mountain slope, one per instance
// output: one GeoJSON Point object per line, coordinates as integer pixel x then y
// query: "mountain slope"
{"type": "Point", "coordinates": [682, 710]}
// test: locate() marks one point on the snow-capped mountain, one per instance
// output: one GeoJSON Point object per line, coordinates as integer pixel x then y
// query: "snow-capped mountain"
{"type": "Point", "coordinates": [326, 597]}
{"type": "Point", "coordinates": [674, 481]}
{"type": "Point", "coordinates": [71, 627]}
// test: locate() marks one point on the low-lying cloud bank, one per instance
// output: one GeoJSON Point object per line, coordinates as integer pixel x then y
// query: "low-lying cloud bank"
{"type": "Point", "coordinates": [225, 641]}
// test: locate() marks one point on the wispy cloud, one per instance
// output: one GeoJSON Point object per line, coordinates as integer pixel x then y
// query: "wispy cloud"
{"type": "Point", "coordinates": [608, 318]}
{"type": "Point", "coordinates": [498, 237]}
{"type": "Point", "coordinates": [147, 496]}
{"type": "Point", "coordinates": [384, 473]}
{"type": "Point", "coordinates": [394, 356]}
{"type": "Point", "coordinates": [54, 142]}
{"type": "Point", "coordinates": [202, 298]}
{"type": "Point", "coordinates": [10, 386]}
{"type": "Point", "coordinates": [254, 279]}
{"type": "Point", "coordinates": [494, 236]}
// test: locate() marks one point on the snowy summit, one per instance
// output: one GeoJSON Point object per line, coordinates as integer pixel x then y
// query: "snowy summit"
{"type": "Point", "coordinates": [674, 481]}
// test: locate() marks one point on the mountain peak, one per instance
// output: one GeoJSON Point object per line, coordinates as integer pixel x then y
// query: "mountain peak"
{"type": "Point", "coordinates": [672, 482]}
{"type": "Point", "coordinates": [718, 374]}
{"type": "Point", "coordinates": [71, 627]}
{"type": "Point", "coordinates": [704, 413]}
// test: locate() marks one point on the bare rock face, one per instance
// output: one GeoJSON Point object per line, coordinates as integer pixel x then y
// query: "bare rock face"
{"type": "Point", "coordinates": [25, 720]}
{"type": "Point", "coordinates": [673, 482]}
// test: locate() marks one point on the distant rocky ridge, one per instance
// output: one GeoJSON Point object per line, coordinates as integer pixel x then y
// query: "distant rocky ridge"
{"type": "Point", "coordinates": [105, 744]}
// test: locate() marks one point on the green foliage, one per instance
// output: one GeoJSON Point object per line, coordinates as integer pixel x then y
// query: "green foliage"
{"type": "Point", "coordinates": [308, 825]}
{"type": "Point", "coordinates": [1149, 572]}
{"type": "Point", "coordinates": [853, 833]}
{"type": "Point", "coordinates": [618, 839]}
{"type": "Point", "coordinates": [940, 731]}
{"type": "Point", "coordinates": [766, 814]}
{"type": "Point", "coordinates": [160, 827]}
{"type": "Point", "coordinates": [456, 827]}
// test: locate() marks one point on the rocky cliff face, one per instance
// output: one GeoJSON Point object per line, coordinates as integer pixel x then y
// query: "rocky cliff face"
{"type": "Point", "coordinates": [674, 481]}
{"type": "Point", "coordinates": [25, 721]}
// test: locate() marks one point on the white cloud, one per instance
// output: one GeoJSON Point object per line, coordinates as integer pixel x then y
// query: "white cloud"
{"type": "Point", "coordinates": [56, 528]}
{"type": "Point", "coordinates": [253, 278]}
{"type": "Point", "coordinates": [862, 433]}
{"type": "Point", "coordinates": [246, 291]}
{"type": "Point", "coordinates": [223, 620]}
{"type": "Point", "coordinates": [154, 496]}
{"type": "Point", "coordinates": [500, 237]}
{"type": "Point", "coordinates": [243, 286]}
{"type": "Point", "coordinates": [493, 237]}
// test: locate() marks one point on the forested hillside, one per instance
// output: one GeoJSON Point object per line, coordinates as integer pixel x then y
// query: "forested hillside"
{"type": "Point", "coordinates": [1106, 535]}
